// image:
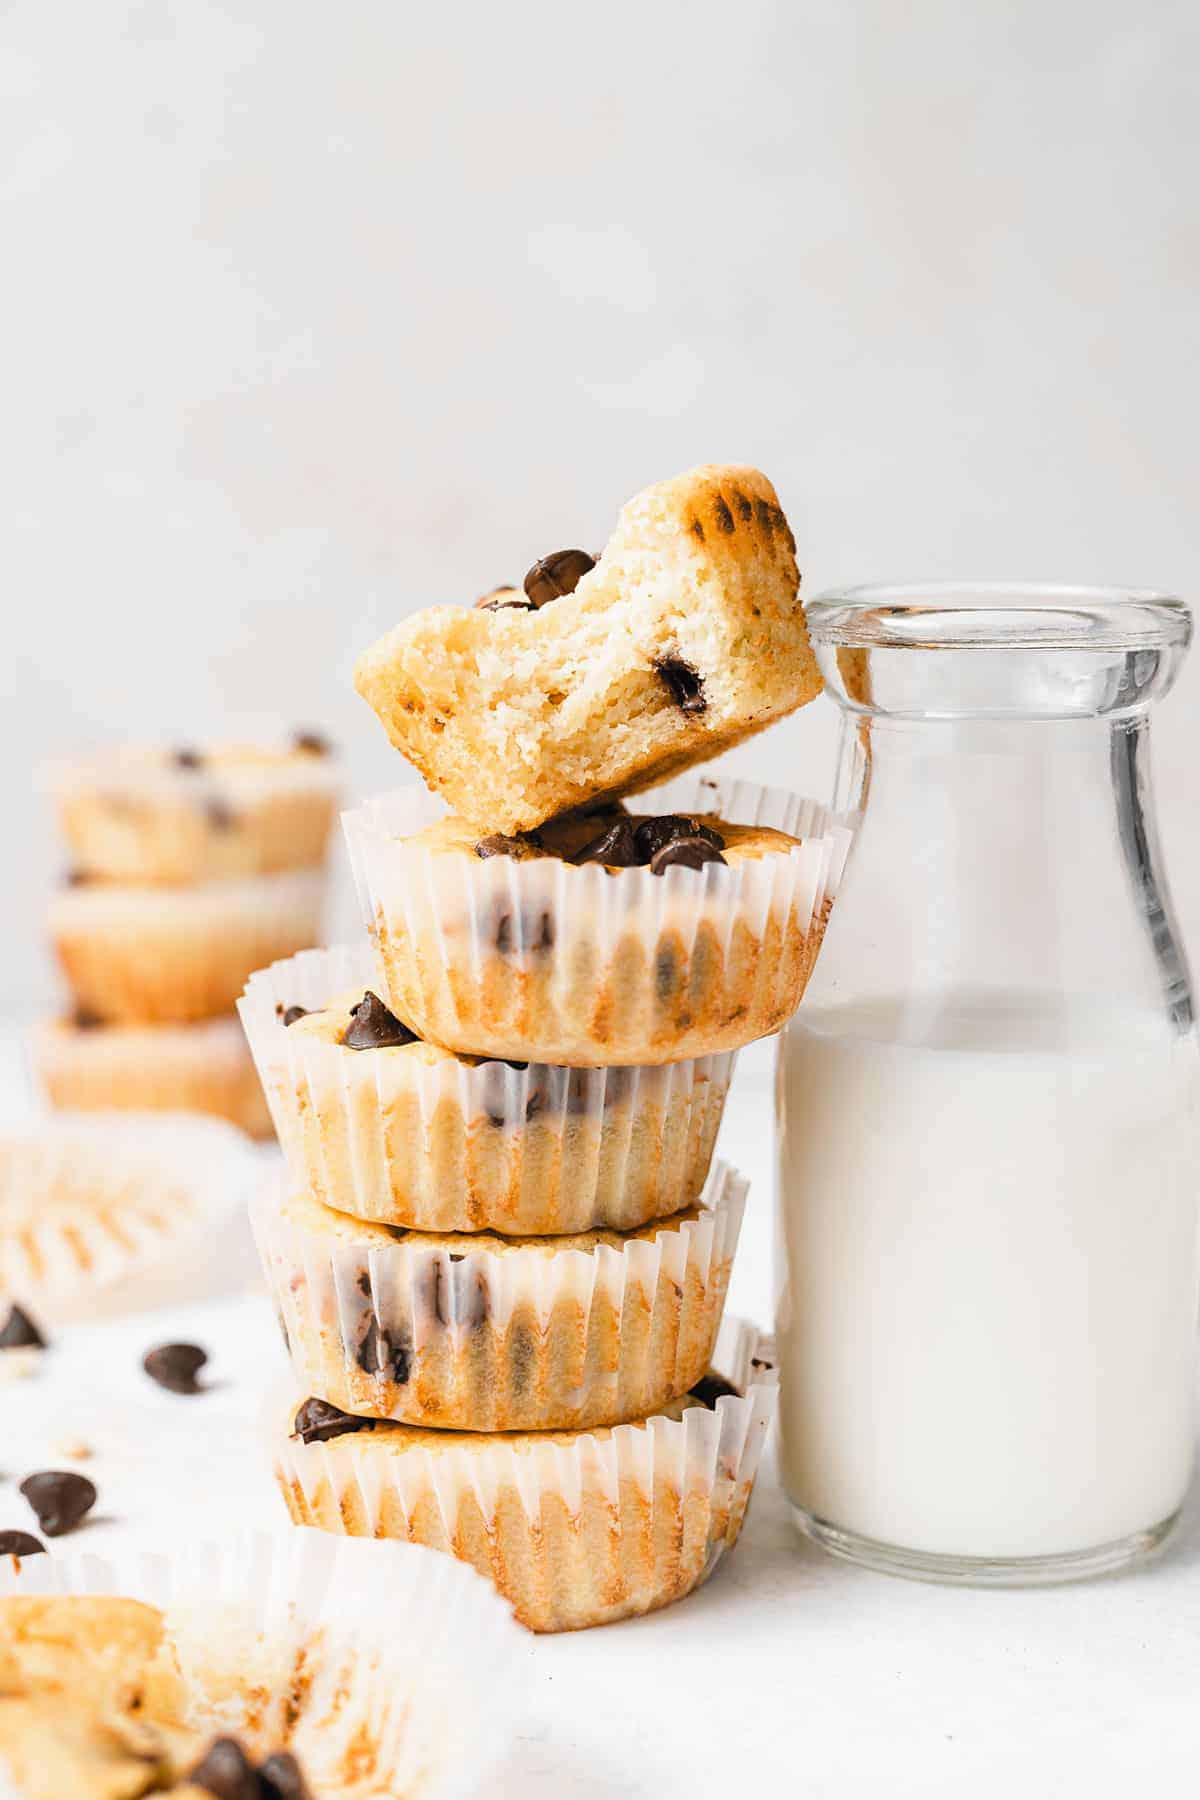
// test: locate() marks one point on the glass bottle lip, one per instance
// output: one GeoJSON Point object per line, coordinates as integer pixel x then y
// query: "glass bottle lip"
{"type": "Point", "coordinates": [998, 615]}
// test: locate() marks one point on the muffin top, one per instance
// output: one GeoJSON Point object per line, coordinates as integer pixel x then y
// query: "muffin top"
{"type": "Point", "coordinates": [615, 839]}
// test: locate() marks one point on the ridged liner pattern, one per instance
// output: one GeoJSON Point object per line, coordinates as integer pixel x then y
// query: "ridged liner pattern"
{"type": "Point", "coordinates": [203, 1067]}
{"type": "Point", "coordinates": [574, 1531]}
{"type": "Point", "coordinates": [459, 1146]}
{"type": "Point", "coordinates": [480, 1341]}
{"type": "Point", "coordinates": [597, 968]}
{"type": "Point", "coordinates": [390, 1670]}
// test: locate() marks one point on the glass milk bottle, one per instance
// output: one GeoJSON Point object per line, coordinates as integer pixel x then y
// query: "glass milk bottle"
{"type": "Point", "coordinates": [988, 1103]}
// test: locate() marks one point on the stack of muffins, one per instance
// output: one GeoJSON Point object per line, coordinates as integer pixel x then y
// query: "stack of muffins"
{"type": "Point", "coordinates": [189, 869]}
{"type": "Point", "coordinates": [500, 1254]}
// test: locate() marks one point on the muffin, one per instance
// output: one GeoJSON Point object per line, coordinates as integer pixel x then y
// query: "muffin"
{"type": "Point", "coordinates": [575, 1528]}
{"type": "Point", "coordinates": [380, 1124]}
{"type": "Point", "coordinates": [152, 817]}
{"type": "Point", "coordinates": [151, 955]}
{"type": "Point", "coordinates": [605, 677]}
{"type": "Point", "coordinates": [613, 938]}
{"type": "Point", "coordinates": [205, 1068]}
{"type": "Point", "coordinates": [485, 1333]}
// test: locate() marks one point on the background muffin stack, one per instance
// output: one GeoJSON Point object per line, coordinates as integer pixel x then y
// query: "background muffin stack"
{"type": "Point", "coordinates": [189, 868]}
{"type": "Point", "coordinates": [501, 1255]}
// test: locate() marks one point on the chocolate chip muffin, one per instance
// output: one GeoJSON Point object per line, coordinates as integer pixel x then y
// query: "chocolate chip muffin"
{"type": "Point", "coordinates": [575, 1528]}
{"type": "Point", "coordinates": [608, 938]}
{"type": "Point", "coordinates": [385, 1126]}
{"type": "Point", "coordinates": [85, 1066]}
{"type": "Point", "coordinates": [154, 955]}
{"type": "Point", "coordinates": [486, 1333]}
{"type": "Point", "coordinates": [172, 816]}
{"type": "Point", "coordinates": [605, 677]}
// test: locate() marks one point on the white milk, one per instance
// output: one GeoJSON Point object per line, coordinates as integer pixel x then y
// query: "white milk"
{"type": "Point", "coordinates": [988, 1276]}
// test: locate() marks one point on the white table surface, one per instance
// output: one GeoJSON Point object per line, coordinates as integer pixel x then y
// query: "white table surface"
{"type": "Point", "coordinates": [789, 1673]}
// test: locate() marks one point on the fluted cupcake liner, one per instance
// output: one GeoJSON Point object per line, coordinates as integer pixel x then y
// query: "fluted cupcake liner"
{"type": "Point", "coordinates": [575, 1529]}
{"type": "Point", "coordinates": [539, 960]}
{"type": "Point", "coordinates": [146, 816]}
{"type": "Point", "coordinates": [146, 955]}
{"type": "Point", "coordinates": [204, 1067]}
{"type": "Point", "coordinates": [385, 1669]}
{"type": "Point", "coordinates": [415, 1135]}
{"type": "Point", "coordinates": [493, 1334]}
{"type": "Point", "coordinates": [101, 1215]}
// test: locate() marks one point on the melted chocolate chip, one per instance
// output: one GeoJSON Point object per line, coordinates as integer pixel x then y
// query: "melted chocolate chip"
{"type": "Point", "coordinates": [616, 847]}
{"type": "Point", "coordinates": [280, 1778]}
{"type": "Point", "coordinates": [654, 835]}
{"type": "Point", "coordinates": [219, 813]}
{"type": "Point", "coordinates": [723, 515]}
{"type": "Point", "coordinates": [684, 684]}
{"type": "Point", "coordinates": [20, 1543]}
{"type": "Point", "coordinates": [456, 1295]}
{"type": "Point", "coordinates": [710, 1389]}
{"type": "Point", "coordinates": [556, 575]}
{"type": "Point", "coordinates": [187, 759]}
{"type": "Point", "coordinates": [20, 1332]}
{"type": "Point", "coordinates": [175, 1367]}
{"type": "Point", "coordinates": [319, 1420]}
{"type": "Point", "coordinates": [502, 598]}
{"type": "Point", "coordinates": [84, 1019]}
{"type": "Point", "coordinates": [536, 933]}
{"type": "Point", "coordinates": [289, 1014]}
{"type": "Point", "coordinates": [383, 1352]}
{"type": "Point", "coordinates": [226, 1771]}
{"type": "Point", "coordinates": [496, 844]}
{"type": "Point", "coordinates": [76, 878]}
{"type": "Point", "coordinates": [311, 743]}
{"type": "Point", "coordinates": [60, 1498]}
{"type": "Point", "coordinates": [685, 853]}
{"type": "Point", "coordinates": [373, 1027]}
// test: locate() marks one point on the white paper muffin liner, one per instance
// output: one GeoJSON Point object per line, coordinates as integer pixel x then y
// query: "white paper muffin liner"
{"type": "Point", "coordinates": [389, 1671]}
{"type": "Point", "coordinates": [575, 1529]}
{"type": "Point", "coordinates": [145, 955]}
{"type": "Point", "coordinates": [415, 1136]}
{"type": "Point", "coordinates": [515, 1336]}
{"type": "Point", "coordinates": [204, 1067]}
{"type": "Point", "coordinates": [135, 815]}
{"type": "Point", "coordinates": [104, 1215]}
{"type": "Point", "coordinates": [543, 961]}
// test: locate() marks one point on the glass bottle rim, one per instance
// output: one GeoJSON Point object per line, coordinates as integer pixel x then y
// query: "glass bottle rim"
{"type": "Point", "coordinates": [998, 615]}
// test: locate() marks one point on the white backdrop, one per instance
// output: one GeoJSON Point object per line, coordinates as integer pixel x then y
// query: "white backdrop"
{"type": "Point", "coordinates": [317, 313]}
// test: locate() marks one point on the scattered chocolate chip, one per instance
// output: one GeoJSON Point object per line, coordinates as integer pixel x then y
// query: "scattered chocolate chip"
{"type": "Point", "coordinates": [289, 1014]}
{"type": "Point", "coordinates": [226, 1771]}
{"type": "Point", "coordinates": [383, 1352]}
{"type": "Point", "coordinates": [711, 1388]}
{"type": "Point", "coordinates": [187, 759]}
{"type": "Point", "coordinates": [616, 847]}
{"type": "Point", "coordinates": [373, 1027]}
{"type": "Point", "coordinates": [319, 1420]}
{"type": "Point", "coordinates": [176, 1366]}
{"type": "Point", "coordinates": [537, 933]}
{"type": "Point", "coordinates": [20, 1332]}
{"type": "Point", "coordinates": [84, 1019]}
{"type": "Point", "coordinates": [496, 844]}
{"type": "Point", "coordinates": [312, 743]}
{"type": "Point", "coordinates": [280, 1778]}
{"type": "Point", "coordinates": [60, 1498]}
{"type": "Point", "coordinates": [20, 1543]}
{"type": "Point", "coordinates": [219, 813]}
{"type": "Point", "coordinates": [556, 575]}
{"type": "Point", "coordinates": [654, 835]}
{"type": "Point", "coordinates": [684, 684]}
{"type": "Point", "coordinates": [685, 853]}
{"type": "Point", "coordinates": [502, 598]}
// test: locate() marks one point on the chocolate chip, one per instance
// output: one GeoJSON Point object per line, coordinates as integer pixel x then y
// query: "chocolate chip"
{"type": "Point", "coordinates": [76, 878]}
{"type": "Point", "coordinates": [84, 1019]}
{"type": "Point", "coordinates": [383, 1352]}
{"type": "Point", "coordinates": [373, 1027]}
{"type": "Point", "coordinates": [654, 834]}
{"type": "Point", "coordinates": [187, 759]}
{"type": "Point", "coordinates": [20, 1332]}
{"type": "Point", "coordinates": [616, 847]}
{"type": "Point", "coordinates": [457, 1296]}
{"type": "Point", "coordinates": [226, 1771]}
{"type": "Point", "coordinates": [219, 813]}
{"type": "Point", "coordinates": [20, 1543]}
{"type": "Point", "coordinates": [723, 516]}
{"type": "Point", "coordinates": [60, 1498]}
{"type": "Point", "coordinates": [319, 1420]}
{"type": "Point", "coordinates": [496, 844]}
{"type": "Point", "coordinates": [684, 684]}
{"type": "Point", "coordinates": [537, 933]}
{"type": "Point", "coordinates": [710, 1389]}
{"type": "Point", "coordinates": [500, 599]}
{"type": "Point", "coordinates": [289, 1014]}
{"type": "Point", "coordinates": [176, 1366]}
{"type": "Point", "coordinates": [280, 1778]}
{"type": "Point", "coordinates": [668, 971]}
{"type": "Point", "coordinates": [557, 575]}
{"type": "Point", "coordinates": [685, 853]}
{"type": "Point", "coordinates": [312, 743]}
